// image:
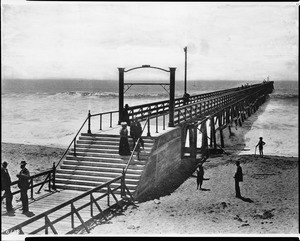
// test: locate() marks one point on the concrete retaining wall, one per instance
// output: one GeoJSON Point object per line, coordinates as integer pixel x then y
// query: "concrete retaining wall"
{"type": "Point", "coordinates": [165, 171]}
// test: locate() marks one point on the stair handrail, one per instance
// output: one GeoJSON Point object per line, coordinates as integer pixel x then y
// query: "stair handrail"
{"type": "Point", "coordinates": [74, 139]}
{"type": "Point", "coordinates": [137, 142]}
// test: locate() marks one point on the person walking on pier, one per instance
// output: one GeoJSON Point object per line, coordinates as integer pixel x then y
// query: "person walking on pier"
{"type": "Point", "coordinates": [5, 186]}
{"type": "Point", "coordinates": [23, 184]}
{"type": "Point", "coordinates": [124, 149]}
{"type": "Point", "coordinates": [238, 176]}
{"type": "Point", "coordinates": [260, 145]}
{"type": "Point", "coordinates": [125, 115]}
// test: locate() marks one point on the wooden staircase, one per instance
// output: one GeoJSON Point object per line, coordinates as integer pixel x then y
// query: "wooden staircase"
{"type": "Point", "coordinates": [98, 161]}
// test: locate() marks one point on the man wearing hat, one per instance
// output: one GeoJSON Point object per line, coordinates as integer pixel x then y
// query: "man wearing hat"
{"type": "Point", "coordinates": [24, 185]}
{"type": "Point", "coordinates": [238, 176]}
{"type": "Point", "coordinates": [5, 185]}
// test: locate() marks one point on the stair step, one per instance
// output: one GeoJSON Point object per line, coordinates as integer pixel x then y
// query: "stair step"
{"type": "Point", "coordinates": [105, 147]}
{"type": "Point", "coordinates": [113, 139]}
{"type": "Point", "coordinates": [86, 188]}
{"type": "Point", "coordinates": [107, 156]}
{"type": "Point", "coordinates": [101, 174]}
{"type": "Point", "coordinates": [100, 169]}
{"type": "Point", "coordinates": [145, 138]}
{"type": "Point", "coordinates": [103, 151]}
{"type": "Point", "coordinates": [95, 179]}
{"type": "Point", "coordinates": [89, 183]}
{"type": "Point", "coordinates": [107, 160]}
{"type": "Point", "coordinates": [107, 142]}
{"type": "Point", "coordinates": [101, 164]}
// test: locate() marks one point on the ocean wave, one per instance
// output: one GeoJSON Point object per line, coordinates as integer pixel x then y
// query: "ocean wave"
{"type": "Point", "coordinates": [284, 96]}
{"type": "Point", "coordinates": [110, 94]}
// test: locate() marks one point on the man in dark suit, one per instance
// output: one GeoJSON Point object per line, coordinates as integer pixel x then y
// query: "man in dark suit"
{"type": "Point", "coordinates": [238, 176]}
{"type": "Point", "coordinates": [5, 185]}
{"type": "Point", "coordinates": [24, 185]}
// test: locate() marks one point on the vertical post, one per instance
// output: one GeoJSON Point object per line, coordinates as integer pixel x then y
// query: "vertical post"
{"type": "Point", "coordinates": [204, 136]}
{"type": "Point", "coordinates": [53, 176]}
{"type": "Point", "coordinates": [89, 122]}
{"type": "Point", "coordinates": [49, 182]}
{"type": "Point", "coordinates": [123, 184]}
{"type": "Point", "coordinates": [193, 141]}
{"type": "Point", "coordinates": [121, 94]}
{"type": "Point", "coordinates": [185, 69]}
{"type": "Point", "coordinates": [172, 97]}
{"type": "Point", "coordinates": [100, 122]}
{"type": "Point", "coordinates": [74, 145]}
{"type": "Point", "coordinates": [221, 130]}
{"type": "Point", "coordinates": [110, 120]}
{"type": "Point", "coordinates": [91, 207]}
{"type": "Point", "coordinates": [72, 216]}
{"type": "Point", "coordinates": [108, 196]}
{"type": "Point", "coordinates": [156, 123]}
{"type": "Point", "coordinates": [148, 134]}
{"type": "Point", "coordinates": [31, 188]}
{"type": "Point", "coordinates": [213, 133]}
{"type": "Point", "coordinates": [46, 225]}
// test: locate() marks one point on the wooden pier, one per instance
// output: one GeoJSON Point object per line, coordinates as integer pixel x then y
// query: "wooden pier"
{"type": "Point", "coordinates": [178, 134]}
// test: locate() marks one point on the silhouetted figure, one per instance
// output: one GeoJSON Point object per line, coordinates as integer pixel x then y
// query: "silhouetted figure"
{"type": "Point", "coordinates": [200, 176]}
{"type": "Point", "coordinates": [5, 186]}
{"type": "Point", "coordinates": [135, 133]}
{"type": "Point", "coordinates": [238, 176]}
{"type": "Point", "coordinates": [23, 184]}
{"type": "Point", "coordinates": [125, 115]}
{"type": "Point", "coordinates": [260, 145]}
{"type": "Point", "coordinates": [186, 98]}
{"type": "Point", "coordinates": [124, 149]}
{"type": "Point", "coordinates": [140, 132]}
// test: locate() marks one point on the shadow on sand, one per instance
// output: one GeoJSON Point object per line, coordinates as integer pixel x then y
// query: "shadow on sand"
{"type": "Point", "coordinates": [204, 189]}
{"type": "Point", "coordinates": [245, 199]}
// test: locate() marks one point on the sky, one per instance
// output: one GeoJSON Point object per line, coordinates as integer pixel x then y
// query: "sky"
{"type": "Point", "coordinates": [90, 40]}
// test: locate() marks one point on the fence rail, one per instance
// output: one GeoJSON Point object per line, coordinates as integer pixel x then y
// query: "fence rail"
{"type": "Point", "coordinates": [93, 201]}
{"type": "Point", "coordinates": [50, 179]}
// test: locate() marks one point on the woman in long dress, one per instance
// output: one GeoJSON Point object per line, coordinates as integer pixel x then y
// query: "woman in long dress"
{"type": "Point", "coordinates": [124, 148]}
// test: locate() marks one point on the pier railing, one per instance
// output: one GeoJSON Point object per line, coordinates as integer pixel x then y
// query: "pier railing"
{"type": "Point", "coordinates": [107, 191]}
{"type": "Point", "coordinates": [210, 106]}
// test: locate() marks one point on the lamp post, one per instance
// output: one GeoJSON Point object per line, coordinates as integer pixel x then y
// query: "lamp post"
{"type": "Point", "coordinates": [185, 68]}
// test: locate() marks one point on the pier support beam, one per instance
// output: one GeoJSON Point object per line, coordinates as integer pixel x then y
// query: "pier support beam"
{"type": "Point", "coordinates": [204, 138]}
{"type": "Point", "coordinates": [193, 141]}
{"type": "Point", "coordinates": [121, 94]}
{"type": "Point", "coordinates": [212, 133]}
{"type": "Point", "coordinates": [221, 130]}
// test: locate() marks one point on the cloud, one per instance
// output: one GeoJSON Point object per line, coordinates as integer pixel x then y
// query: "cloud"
{"type": "Point", "coordinates": [91, 39]}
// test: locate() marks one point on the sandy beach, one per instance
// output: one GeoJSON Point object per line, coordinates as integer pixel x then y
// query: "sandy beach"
{"type": "Point", "coordinates": [270, 193]}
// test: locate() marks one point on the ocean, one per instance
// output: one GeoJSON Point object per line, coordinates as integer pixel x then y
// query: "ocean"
{"type": "Point", "coordinates": [50, 112]}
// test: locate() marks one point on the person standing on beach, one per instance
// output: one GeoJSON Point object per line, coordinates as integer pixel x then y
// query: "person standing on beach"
{"type": "Point", "coordinates": [260, 145]}
{"type": "Point", "coordinates": [5, 186]}
{"type": "Point", "coordinates": [238, 176]}
{"type": "Point", "coordinates": [200, 176]}
{"type": "Point", "coordinates": [124, 149]}
{"type": "Point", "coordinates": [23, 184]}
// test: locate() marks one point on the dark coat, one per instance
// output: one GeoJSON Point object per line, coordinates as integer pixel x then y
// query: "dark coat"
{"type": "Point", "coordinates": [23, 179]}
{"type": "Point", "coordinates": [239, 174]}
{"type": "Point", "coordinates": [5, 178]}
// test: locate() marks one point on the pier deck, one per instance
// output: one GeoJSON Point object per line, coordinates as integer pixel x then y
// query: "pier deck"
{"type": "Point", "coordinates": [44, 202]}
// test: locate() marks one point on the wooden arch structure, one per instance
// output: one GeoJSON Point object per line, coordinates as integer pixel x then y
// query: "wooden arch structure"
{"type": "Point", "coordinates": [171, 84]}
